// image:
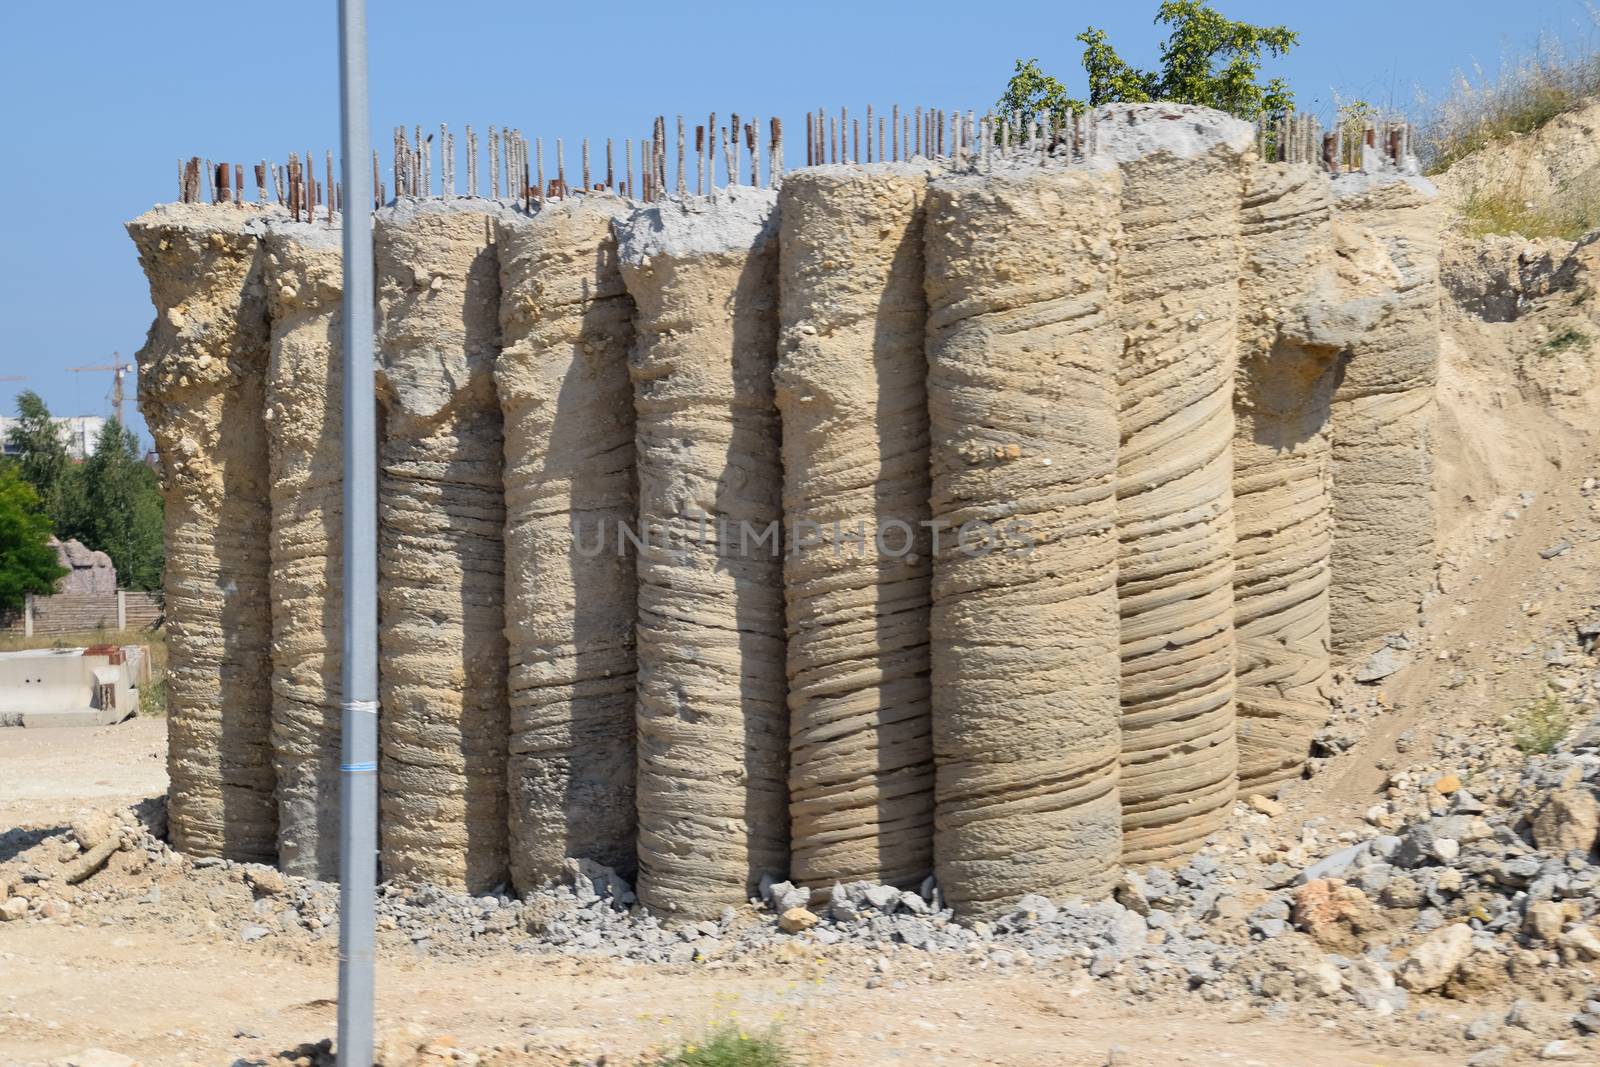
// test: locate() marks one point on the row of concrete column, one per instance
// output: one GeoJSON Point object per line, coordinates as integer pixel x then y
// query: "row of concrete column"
{"type": "Point", "coordinates": [894, 523]}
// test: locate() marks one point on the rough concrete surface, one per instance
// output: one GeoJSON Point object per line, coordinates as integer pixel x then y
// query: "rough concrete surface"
{"type": "Point", "coordinates": [441, 576]}
{"type": "Point", "coordinates": [201, 376]}
{"type": "Point", "coordinates": [712, 726]}
{"type": "Point", "coordinates": [1281, 480]}
{"type": "Point", "coordinates": [850, 387]}
{"type": "Point", "coordinates": [1023, 346]}
{"type": "Point", "coordinates": [562, 379]}
{"type": "Point", "coordinates": [305, 427]}
{"type": "Point", "coordinates": [1384, 509]}
{"type": "Point", "coordinates": [1181, 172]}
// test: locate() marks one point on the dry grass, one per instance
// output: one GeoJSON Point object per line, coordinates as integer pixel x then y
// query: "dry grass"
{"type": "Point", "coordinates": [1508, 210]}
{"type": "Point", "coordinates": [1527, 92]}
{"type": "Point", "coordinates": [1538, 728]}
{"type": "Point", "coordinates": [730, 1046]}
{"type": "Point", "coordinates": [1571, 338]}
{"type": "Point", "coordinates": [152, 698]}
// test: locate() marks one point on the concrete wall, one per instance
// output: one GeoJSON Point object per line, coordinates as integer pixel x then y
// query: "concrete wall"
{"type": "Point", "coordinates": [972, 518]}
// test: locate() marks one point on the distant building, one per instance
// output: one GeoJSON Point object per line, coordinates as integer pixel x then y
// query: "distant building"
{"type": "Point", "coordinates": [79, 433]}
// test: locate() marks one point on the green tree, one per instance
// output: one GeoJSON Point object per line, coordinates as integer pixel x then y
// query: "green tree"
{"type": "Point", "coordinates": [1032, 94]}
{"type": "Point", "coordinates": [27, 563]}
{"type": "Point", "coordinates": [43, 462]}
{"type": "Point", "coordinates": [122, 513]}
{"type": "Point", "coordinates": [1207, 59]}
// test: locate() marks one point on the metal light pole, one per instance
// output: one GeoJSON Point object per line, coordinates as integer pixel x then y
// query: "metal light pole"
{"type": "Point", "coordinates": [358, 717]}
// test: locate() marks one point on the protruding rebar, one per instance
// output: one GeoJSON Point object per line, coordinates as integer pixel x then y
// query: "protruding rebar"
{"type": "Point", "coordinates": [775, 167]}
{"type": "Point", "coordinates": [494, 163]}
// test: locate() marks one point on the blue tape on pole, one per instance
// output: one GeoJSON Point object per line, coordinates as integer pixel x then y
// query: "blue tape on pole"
{"type": "Point", "coordinates": [358, 768]}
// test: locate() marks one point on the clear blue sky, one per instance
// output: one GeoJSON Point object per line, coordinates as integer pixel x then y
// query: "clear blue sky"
{"type": "Point", "coordinates": [101, 98]}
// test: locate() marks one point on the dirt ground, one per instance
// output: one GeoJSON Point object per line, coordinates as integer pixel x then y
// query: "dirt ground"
{"type": "Point", "coordinates": [45, 773]}
{"type": "Point", "coordinates": [169, 998]}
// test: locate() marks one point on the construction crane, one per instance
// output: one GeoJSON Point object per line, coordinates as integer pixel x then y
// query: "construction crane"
{"type": "Point", "coordinates": [119, 369]}
{"type": "Point", "coordinates": [13, 378]}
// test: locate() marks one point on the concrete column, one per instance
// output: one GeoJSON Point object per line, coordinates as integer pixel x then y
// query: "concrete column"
{"type": "Point", "coordinates": [441, 578]}
{"type": "Point", "coordinates": [27, 615]}
{"type": "Point", "coordinates": [1023, 345]}
{"type": "Point", "coordinates": [712, 726]}
{"type": "Point", "coordinates": [202, 376]}
{"type": "Point", "coordinates": [571, 597]}
{"type": "Point", "coordinates": [1181, 172]}
{"type": "Point", "coordinates": [305, 429]}
{"type": "Point", "coordinates": [122, 611]}
{"type": "Point", "coordinates": [1282, 480]}
{"type": "Point", "coordinates": [1384, 508]}
{"type": "Point", "coordinates": [850, 387]}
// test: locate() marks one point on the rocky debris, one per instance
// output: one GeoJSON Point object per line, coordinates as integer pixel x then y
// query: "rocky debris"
{"type": "Point", "coordinates": [1544, 919]}
{"type": "Point", "coordinates": [1265, 805]}
{"type": "Point", "coordinates": [1580, 942]}
{"type": "Point", "coordinates": [1435, 960]}
{"type": "Point", "coordinates": [1569, 819]}
{"type": "Point", "coordinates": [794, 920]}
{"type": "Point", "coordinates": [1334, 914]}
{"type": "Point", "coordinates": [266, 881]}
{"type": "Point", "coordinates": [1382, 663]}
{"type": "Point", "coordinates": [91, 861]}
{"type": "Point", "coordinates": [91, 829]}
